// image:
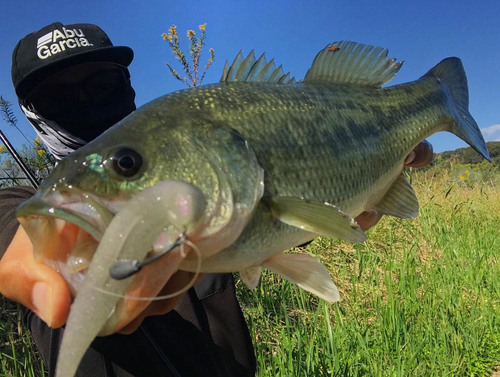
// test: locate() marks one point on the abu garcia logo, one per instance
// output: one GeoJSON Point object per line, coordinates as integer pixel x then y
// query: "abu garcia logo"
{"type": "Point", "coordinates": [56, 41]}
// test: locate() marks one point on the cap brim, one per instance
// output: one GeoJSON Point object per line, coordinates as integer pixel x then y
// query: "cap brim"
{"type": "Point", "coordinates": [113, 54]}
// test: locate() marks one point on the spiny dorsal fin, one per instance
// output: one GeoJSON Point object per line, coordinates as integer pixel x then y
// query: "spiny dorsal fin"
{"type": "Point", "coordinates": [400, 200]}
{"type": "Point", "coordinates": [255, 70]}
{"type": "Point", "coordinates": [354, 63]}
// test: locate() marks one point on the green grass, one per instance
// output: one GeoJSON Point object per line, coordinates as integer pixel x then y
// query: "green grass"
{"type": "Point", "coordinates": [420, 298]}
{"type": "Point", "coordinates": [17, 354]}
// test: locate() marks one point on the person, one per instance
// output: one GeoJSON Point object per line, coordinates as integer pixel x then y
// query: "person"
{"type": "Point", "coordinates": [72, 85]}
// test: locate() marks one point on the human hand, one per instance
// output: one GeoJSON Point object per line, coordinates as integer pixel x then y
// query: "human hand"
{"type": "Point", "coordinates": [179, 280]}
{"type": "Point", "coordinates": [35, 285]}
{"type": "Point", "coordinates": [162, 273]}
{"type": "Point", "coordinates": [45, 292]}
{"type": "Point", "coordinates": [420, 156]}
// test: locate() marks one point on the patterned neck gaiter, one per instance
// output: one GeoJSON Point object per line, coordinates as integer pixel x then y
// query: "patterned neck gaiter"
{"type": "Point", "coordinates": [59, 141]}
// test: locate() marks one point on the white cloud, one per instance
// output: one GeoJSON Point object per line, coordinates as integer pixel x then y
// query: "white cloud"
{"type": "Point", "coordinates": [491, 133]}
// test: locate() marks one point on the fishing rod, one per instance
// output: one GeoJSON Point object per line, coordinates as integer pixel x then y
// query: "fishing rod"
{"type": "Point", "coordinates": [19, 161]}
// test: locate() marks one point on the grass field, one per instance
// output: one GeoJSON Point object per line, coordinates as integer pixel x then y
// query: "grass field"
{"type": "Point", "coordinates": [17, 354]}
{"type": "Point", "coordinates": [420, 298]}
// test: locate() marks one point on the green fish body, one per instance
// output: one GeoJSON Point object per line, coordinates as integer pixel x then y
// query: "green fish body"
{"type": "Point", "coordinates": [277, 162]}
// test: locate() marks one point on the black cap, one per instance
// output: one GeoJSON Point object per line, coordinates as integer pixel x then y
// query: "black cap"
{"type": "Point", "coordinates": [56, 47]}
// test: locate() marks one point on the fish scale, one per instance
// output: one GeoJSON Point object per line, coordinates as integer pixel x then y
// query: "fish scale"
{"type": "Point", "coordinates": [290, 149]}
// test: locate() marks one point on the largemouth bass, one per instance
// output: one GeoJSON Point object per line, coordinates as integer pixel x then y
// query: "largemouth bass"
{"type": "Point", "coordinates": [246, 169]}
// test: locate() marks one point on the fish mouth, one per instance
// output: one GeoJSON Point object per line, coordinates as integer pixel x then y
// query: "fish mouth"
{"type": "Point", "coordinates": [65, 229]}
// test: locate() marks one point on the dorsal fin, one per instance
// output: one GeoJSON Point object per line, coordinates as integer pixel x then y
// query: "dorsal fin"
{"type": "Point", "coordinates": [255, 70]}
{"type": "Point", "coordinates": [354, 63]}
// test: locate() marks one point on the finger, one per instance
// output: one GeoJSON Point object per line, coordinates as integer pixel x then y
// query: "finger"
{"type": "Point", "coordinates": [420, 156]}
{"type": "Point", "coordinates": [147, 283]}
{"type": "Point", "coordinates": [178, 281]}
{"type": "Point", "coordinates": [33, 284]}
{"type": "Point", "coordinates": [368, 219]}
{"type": "Point", "coordinates": [133, 325]}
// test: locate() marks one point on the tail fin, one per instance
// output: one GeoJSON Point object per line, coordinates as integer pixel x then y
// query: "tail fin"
{"type": "Point", "coordinates": [451, 72]}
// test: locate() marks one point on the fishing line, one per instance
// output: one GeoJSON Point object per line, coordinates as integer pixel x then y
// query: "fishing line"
{"type": "Point", "coordinates": [183, 242]}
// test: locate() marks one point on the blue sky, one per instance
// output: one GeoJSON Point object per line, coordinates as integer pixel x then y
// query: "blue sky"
{"type": "Point", "coordinates": [420, 32]}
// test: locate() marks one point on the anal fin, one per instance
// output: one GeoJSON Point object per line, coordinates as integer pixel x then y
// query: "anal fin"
{"type": "Point", "coordinates": [400, 200]}
{"type": "Point", "coordinates": [307, 272]}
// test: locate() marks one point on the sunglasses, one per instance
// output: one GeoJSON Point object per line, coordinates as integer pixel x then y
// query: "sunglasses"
{"type": "Point", "coordinates": [98, 88]}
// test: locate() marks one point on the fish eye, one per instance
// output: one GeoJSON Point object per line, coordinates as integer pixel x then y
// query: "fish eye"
{"type": "Point", "coordinates": [126, 162]}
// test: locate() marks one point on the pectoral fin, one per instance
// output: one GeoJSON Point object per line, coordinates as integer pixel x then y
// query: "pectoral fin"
{"type": "Point", "coordinates": [305, 271]}
{"type": "Point", "coordinates": [251, 276]}
{"type": "Point", "coordinates": [400, 200]}
{"type": "Point", "coordinates": [321, 218]}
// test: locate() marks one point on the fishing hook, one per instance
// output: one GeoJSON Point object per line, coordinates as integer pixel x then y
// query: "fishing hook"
{"type": "Point", "coordinates": [123, 269]}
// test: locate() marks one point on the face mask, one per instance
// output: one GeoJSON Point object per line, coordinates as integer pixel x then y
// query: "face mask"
{"type": "Point", "coordinates": [88, 107]}
{"type": "Point", "coordinates": [89, 121]}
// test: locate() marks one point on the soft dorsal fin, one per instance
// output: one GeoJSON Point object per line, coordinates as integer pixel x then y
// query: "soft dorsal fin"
{"type": "Point", "coordinates": [400, 200]}
{"type": "Point", "coordinates": [354, 63]}
{"type": "Point", "coordinates": [255, 70]}
{"type": "Point", "coordinates": [321, 218]}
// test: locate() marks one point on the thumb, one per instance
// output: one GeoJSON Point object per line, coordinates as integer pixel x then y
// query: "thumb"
{"type": "Point", "coordinates": [33, 284]}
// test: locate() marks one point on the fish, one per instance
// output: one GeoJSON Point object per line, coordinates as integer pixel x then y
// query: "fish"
{"type": "Point", "coordinates": [245, 169]}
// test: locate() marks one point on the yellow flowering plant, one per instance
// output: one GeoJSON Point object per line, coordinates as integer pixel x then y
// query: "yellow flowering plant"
{"type": "Point", "coordinates": [195, 46]}
{"type": "Point", "coordinates": [43, 152]}
{"type": "Point", "coordinates": [465, 176]}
